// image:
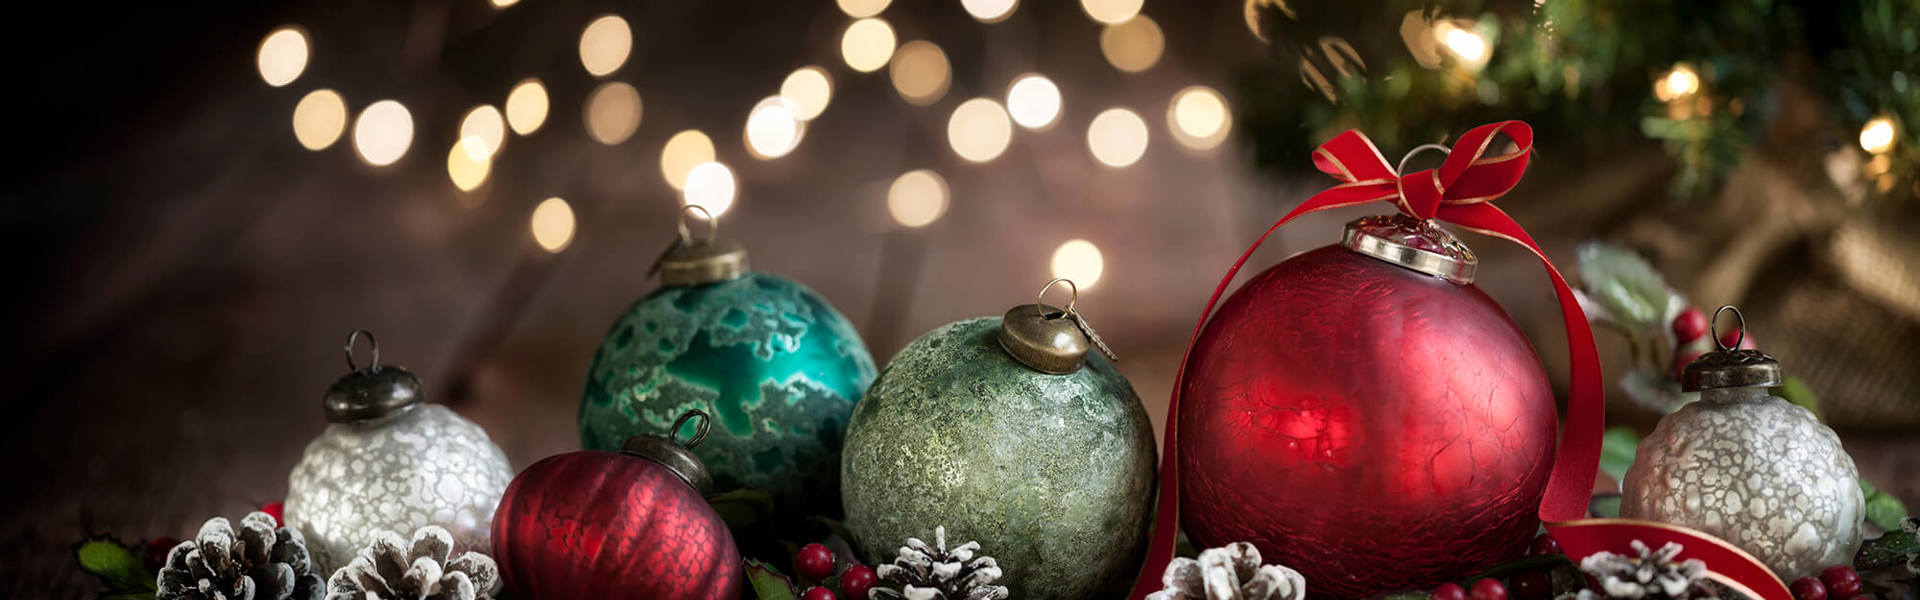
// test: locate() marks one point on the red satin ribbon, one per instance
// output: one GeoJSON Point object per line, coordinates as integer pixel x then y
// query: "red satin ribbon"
{"type": "Point", "coordinates": [1460, 192]}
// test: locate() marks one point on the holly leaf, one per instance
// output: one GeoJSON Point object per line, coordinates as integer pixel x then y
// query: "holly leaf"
{"type": "Point", "coordinates": [1796, 391]}
{"type": "Point", "coordinates": [743, 507]}
{"type": "Point", "coordinates": [1632, 292]}
{"type": "Point", "coordinates": [1886, 551]}
{"type": "Point", "coordinates": [116, 566]}
{"type": "Point", "coordinates": [768, 582]}
{"type": "Point", "coordinates": [1617, 448]}
{"type": "Point", "coordinates": [1884, 510]}
{"type": "Point", "coordinates": [1604, 506]}
{"type": "Point", "coordinates": [1655, 391]}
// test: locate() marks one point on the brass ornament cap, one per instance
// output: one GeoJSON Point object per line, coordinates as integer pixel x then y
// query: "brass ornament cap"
{"type": "Point", "coordinates": [690, 262]}
{"type": "Point", "coordinates": [674, 455]}
{"type": "Point", "coordinates": [1416, 244]}
{"type": "Point", "coordinates": [1731, 367]}
{"type": "Point", "coordinates": [374, 392]}
{"type": "Point", "coordinates": [1044, 338]}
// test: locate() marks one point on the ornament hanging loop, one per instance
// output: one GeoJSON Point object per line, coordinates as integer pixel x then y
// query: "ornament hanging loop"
{"type": "Point", "coordinates": [1402, 167]}
{"type": "Point", "coordinates": [699, 435]}
{"type": "Point", "coordinates": [372, 344]}
{"type": "Point", "coordinates": [1039, 301]}
{"type": "Point", "coordinates": [713, 223]}
{"type": "Point", "coordinates": [1715, 327]}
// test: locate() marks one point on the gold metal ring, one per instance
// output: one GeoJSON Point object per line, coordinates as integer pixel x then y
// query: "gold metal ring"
{"type": "Point", "coordinates": [1040, 300]}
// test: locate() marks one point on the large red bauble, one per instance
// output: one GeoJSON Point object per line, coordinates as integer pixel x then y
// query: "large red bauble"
{"type": "Point", "coordinates": [1371, 426]}
{"type": "Point", "coordinates": [597, 525]}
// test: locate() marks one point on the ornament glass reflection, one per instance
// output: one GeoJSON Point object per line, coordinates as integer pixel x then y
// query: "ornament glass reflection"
{"type": "Point", "coordinates": [1363, 392]}
{"type": "Point", "coordinates": [777, 367]}
{"type": "Point", "coordinates": [391, 462]}
{"type": "Point", "coordinates": [1750, 468]}
{"type": "Point", "coordinates": [1012, 432]}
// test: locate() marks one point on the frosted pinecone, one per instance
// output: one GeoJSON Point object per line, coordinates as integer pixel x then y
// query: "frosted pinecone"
{"type": "Point", "coordinates": [260, 560]}
{"type": "Point", "coordinates": [1230, 572]}
{"type": "Point", "coordinates": [936, 573]}
{"type": "Point", "coordinates": [1652, 576]}
{"type": "Point", "coordinates": [392, 569]}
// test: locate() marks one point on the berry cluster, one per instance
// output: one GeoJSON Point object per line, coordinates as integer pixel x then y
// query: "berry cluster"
{"type": "Point", "coordinates": [1838, 582]}
{"type": "Point", "coordinates": [1527, 585]}
{"type": "Point", "coordinates": [816, 563]}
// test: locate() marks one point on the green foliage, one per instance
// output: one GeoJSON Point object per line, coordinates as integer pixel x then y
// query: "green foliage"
{"type": "Point", "coordinates": [117, 567]}
{"type": "Point", "coordinates": [1886, 551]}
{"type": "Point", "coordinates": [1797, 392]}
{"type": "Point", "coordinates": [768, 582]}
{"type": "Point", "coordinates": [1883, 510]}
{"type": "Point", "coordinates": [1617, 449]}
{"type": "Point", "coordinates": [1635, 296]}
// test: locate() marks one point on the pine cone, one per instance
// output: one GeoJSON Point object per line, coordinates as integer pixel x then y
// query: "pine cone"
{"type": "Point", "coordinates": [392, 569]}
{"type": "Point", "coordinates": [1652, 576]}
{"type": "Point", "coordinates": [937, 573]}
{"type": "Point", "coordinates": [1230, 572]}
{"type": "Point", "coordinates": [261, 561]}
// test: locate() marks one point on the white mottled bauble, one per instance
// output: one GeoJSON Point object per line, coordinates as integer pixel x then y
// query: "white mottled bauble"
{"type": "Point", "coordinates": [1756, 471]}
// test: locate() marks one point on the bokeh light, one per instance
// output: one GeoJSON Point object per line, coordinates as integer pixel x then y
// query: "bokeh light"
{"type": "Point", "coordinates": [466, 171]}
{"type": "Point", "coordinates": [527, 106]}
{"type": "Point", "coordinates": [283, 56]}
{"type": "Point", "coordinates": [860, 9]}
{"type": "Point", "coordinates": [990, 11]}
{"type": "Point", "coordinates": [613, 112]}
{"type": "Point", "coordinates": [867, 45]}
{"type": "Point", "coordinates": [920, 72]}
{"type": "Point", "coordinates": [1678, 83]}
{"type": "Point", "coordinates": [482, 132]}
{"type": "Point", "coordinates": [383, 133]}
{"type": "Point", "coordinates": [1080, 261]}
{"type": "Point", "coordinates": [1460, 39]}
{"type": "Point", "coordinates": [552, 224]}
{"type": "Point", "coordinates": [605, 44]}
{"type": "Point", "coordinates": [1199, 118]}
{"type": "Point", "coordinates": [774, 128]}
{"type": "Point", "coordinates": [1877, 136]}
{"type": "Point", "coordinates": [810, 89]}
{"type": "Point", "coordinates": [979, 130]}
{"type": "Point", "coordinates": [504, 3]}
{"type": "Point", "coordinates": [917, 198]}
{"type": "Point", "coordinates": [1111, 11]}
{"type": "Point", "coordinates": [710, 186]}
{"type": "Point", "coordinates": [1033, 101]}
{"type": "Point", "coordinates": [1134, 45]}
{"type": "Point", "coordinates": [681, 153]}
{"type": "Point", "coordinates": [1117, 137]}
{"type": "Point", "coordinates": [319, 119]}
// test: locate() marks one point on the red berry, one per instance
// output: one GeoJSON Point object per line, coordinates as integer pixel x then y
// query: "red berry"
{"type": "Point", "coordinates": [1746, 341]}
{"type": "Point", "coordinates": [1543, 545]}
{"type": "Point", "coordinates": [1449, 591]}
{"type": "Point", "coordinates": [154, 555]}
{"type": "Point", "coordinates": [814, 562]}
{"type": "Point", "coordinates": [858, 580]}
{"type": "Point", "coordinates": [1809, 588]}
{"type": "Point", "coordinates": [818, 593]}
{"type": "Point", "coordinates": [1488, 589]}
{"type": "Point", "coordinates": [1841, 580]}
{"type": "Point", "coordinates": [1690, 325]}
{"type": "Point", "coordinates": [278, 510]}
{"type": "Point", "coordinates": [1532, 585]}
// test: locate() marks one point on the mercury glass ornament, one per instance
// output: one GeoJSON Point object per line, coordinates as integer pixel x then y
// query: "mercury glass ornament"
{"type": "Point", "coordinates": [391, 462]}
{"type": "Point", "coordinates": [777, 367]}
{"type": "Point", "coordinates": [1010, 432]}
{"type": "Point", "coordinates": [1749, 468]}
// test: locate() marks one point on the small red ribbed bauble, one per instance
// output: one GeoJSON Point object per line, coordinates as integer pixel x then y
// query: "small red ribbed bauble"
{"type": "Point", "coordinates": [633, 524]}
{"type": "Point", "coordinates": [1374, 427]}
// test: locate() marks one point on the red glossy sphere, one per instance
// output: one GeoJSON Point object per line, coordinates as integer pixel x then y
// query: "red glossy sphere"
{"type": "Point", "coordinates": [1371, 426]}
{"type": "Point", "coordinates": [1809, 588]}
{"type": "Point", "coordinates": [1690, 325]}
{"type": "Point", "coordinates": [818, 593]}
{"type": "Point", "coordinates": [1841, 581]}
{"type": "Point", "coordinates": [595, 525]}
{"type": "Point", "coordinates": [1544, 545]}
{"type": "Point", "coordinates": [1449, 591]}
{"type": "Point", "coordinates": [814, 561]}
{"type": "Point", "coordinates": [1488, 589]}
{"type": "Point", "coordinates": [858, 581]}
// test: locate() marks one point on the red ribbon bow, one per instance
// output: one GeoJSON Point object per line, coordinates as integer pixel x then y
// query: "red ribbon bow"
{"type": "Point", "coordinates": [1460, 192]}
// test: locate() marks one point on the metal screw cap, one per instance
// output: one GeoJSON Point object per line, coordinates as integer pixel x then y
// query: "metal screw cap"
{"type": "Point", "coordinates": [369, 393]}
{"type": "Point", "coordinates": [1731, 367]}
{"type": "Point", "coordinates": [691, 262]}
{"type": "Point", "coordinates": [674, 455]}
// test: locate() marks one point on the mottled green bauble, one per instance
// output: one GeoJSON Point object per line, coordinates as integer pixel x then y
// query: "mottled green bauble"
{"type": "Point", "coordinates": [777, 368]}
{"type": "Point", "coordinates": [1052, 474]}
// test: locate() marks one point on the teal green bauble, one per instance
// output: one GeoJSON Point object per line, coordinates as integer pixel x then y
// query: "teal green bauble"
{"type": "Point", "coordinates": [777, 368]}
{"type": "Point", "coordinates": [1052, 473]}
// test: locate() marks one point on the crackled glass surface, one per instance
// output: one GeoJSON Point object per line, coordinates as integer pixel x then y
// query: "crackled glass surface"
{"type": "Point", "coordinates": [1756, 471]}
{"type": "Point", "coordinates": [424, 466]}
{"type": "Point", "coordinates": [778, 369]}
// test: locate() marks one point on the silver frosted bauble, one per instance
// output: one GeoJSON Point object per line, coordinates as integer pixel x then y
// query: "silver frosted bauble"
{"type": "Point", "coordinates": [1751, 469]}
{"type": "Point", "coordinates": [390, 462]}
